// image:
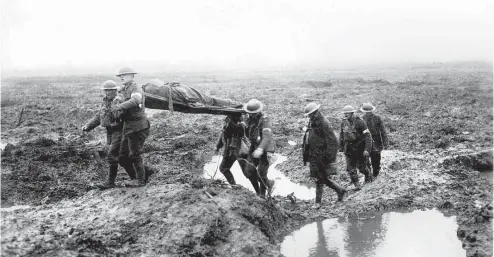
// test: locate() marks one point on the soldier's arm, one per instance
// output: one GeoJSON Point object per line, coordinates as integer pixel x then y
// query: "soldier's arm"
{"type": "Point", "coordinates": [93, 123]}
{"type": "Point", "coordinates": [135, 98]}
{"type": "Point", "coordinates": [384, 134]}
{"type": "Point", "coordinates": [328, 134]}
{"type": "Point", "coordinates": [342, 143]}
{"type": "Point", "coordinates": [362, 127]}
{"type": "Point", "coordinates": [267, 134]}
{"type": "Point", "coordinates": [220, 143]}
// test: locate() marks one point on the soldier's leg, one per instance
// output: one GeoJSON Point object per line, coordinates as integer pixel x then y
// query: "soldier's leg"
{"type": "Point", "coordinates": [136, 143]}
{"type": "Point", "coordinates": [376, 162]}
{"type": "Point", "coordinates": [351, 168]}
{"type": "Point", "coordinates": [263, 167]}
{"type": "Point", "coordinates": [250, 171]}
{"type": "Point", "coordinates": [363, 167]}
{"type": "Point", "coordinates": [340, 191]}
{"type": "Point", "coordinates": [226, 165]}
{"type": "Point", "coordinates": [319, 190]}
{"type": "Point", "coordinates": [112, 160]}
{"type": "Point", "coordinates": [123, 157]}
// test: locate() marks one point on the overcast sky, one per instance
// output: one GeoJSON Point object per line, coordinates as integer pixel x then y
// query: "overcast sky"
{"type": "Point", "coordinates": [105, 34]}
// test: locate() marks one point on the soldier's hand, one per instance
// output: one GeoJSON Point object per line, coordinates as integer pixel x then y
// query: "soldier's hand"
{"type": "Point", "coordinates": [366, 153]}
{"type": "Point", "coordinates": [84, 129]}
{"type": "Point", "coordinates": [257, 153]}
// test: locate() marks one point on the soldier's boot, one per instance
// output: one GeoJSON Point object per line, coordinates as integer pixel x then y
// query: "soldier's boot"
{"type": "Point", "coordinates": [229, 177]}
{"type": "Point", "coordinates": [375, 171]}
{"type": "Point", "coordinates": [341, 191]}
{"type": "Point", "coordinates": [263, 186]}
{"type": "Point", "coordinates": [149, 171]}
{"type": "Point", "coordinates": [110, 180]}
{"type": "Point", "coordinates": [141, 175]}
{"type": "Point", "coordinates": [255, 183]}
{"type": "Point", "coordinates": [270, 186]}
{"type": "Point", "coordinates": [319, 191]}
{"type": "Point", "coordinates": [129, 168]}
{"type": "Point", "coordinates": [262, 190]}
{"type": "Point", "coordinates": [355, 180]}
{"type": "Point", "coordinates": [368, 177]}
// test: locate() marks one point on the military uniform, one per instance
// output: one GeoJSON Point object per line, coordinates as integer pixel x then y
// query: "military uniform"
{"type": "Point", "coordinates": [113, 137]}
{"type": "Point", "coordinates": [231, 139]}
{"type": "Point", "coordinates": [379, 138]}
{"type": "Point", "coordinates": [320, 150]}
{"type": "Point", "coordinates": [259, 135]}
{"type": "Point", "coordinates": [354, 140]}
{"type": "Point", "coordinates": [135, 129]}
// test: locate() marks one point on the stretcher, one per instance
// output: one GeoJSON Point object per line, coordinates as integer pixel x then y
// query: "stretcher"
{"type": "Point", "coordinates": [182, 98]}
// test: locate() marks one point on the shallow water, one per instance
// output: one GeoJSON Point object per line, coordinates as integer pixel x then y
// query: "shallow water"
{"type": "Point", "coordinates": [11, 207]}
{"type": "Point", "coordinates": [418, 233]}
{"type": "Point", "coordinates": [282, 186]}
{"type": "Point", "coordinates": [487, 175]}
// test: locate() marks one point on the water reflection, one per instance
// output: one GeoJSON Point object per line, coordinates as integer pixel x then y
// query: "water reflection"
{"type": "Point", "coordinates": [282, 186]}
{"type": "Point", "coordinates": [419, 233]}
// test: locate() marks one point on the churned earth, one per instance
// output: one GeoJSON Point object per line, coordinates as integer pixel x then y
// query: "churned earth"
{"type": "Point", "coordinates": [440, 157]}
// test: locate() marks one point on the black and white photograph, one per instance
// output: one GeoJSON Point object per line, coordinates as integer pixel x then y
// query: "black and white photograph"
{"type": "Point", "coordinates": [270, 128]}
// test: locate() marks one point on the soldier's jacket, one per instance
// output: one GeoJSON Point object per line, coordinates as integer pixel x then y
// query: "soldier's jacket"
{"type": "Point", "coordinates": [354, 136]}
{"type": "Point", "coordinates": [133, 116]}
{"type": "Point", "coordinates": [231, 137]}
{"type": "Point", "coordinates": [104, 118]}
{"type": "Point", "coordinates": [377, 130]}
{"type": "Point", "coordinates": [259, 133]}
{"type": "Point", "coordinates": [320, 141]}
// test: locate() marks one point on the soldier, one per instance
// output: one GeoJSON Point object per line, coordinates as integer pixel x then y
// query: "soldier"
{"type": "Point", "coordinates": [135, 126]}
{"type": "Point", "coordinates": [378, 133]}
{"type": "Point", "coordinates": [320, 150]}
{"type": "Point", "coordinates": [230, 138]}
{"type": "Point", "coordinates": [355, 142]}
{"type": "Point", "coordinates": [113, 132]}
{"type": "Point", "coordinates": [260, 136]}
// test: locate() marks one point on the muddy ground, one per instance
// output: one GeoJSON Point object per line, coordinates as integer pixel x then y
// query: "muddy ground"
{"type": "Point", "coordinates": [439, 120]}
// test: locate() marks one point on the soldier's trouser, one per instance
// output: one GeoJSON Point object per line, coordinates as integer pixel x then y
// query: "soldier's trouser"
{"type": "Point", "coordinates": [225, 166]}
{"type": "Point", "coordinates": [376, 162]}
{"type": "Point", "coordinates": [114, 136]}
{"type": "Point", "coordinates": [131, 150]}
{"type": "Point", "coordinates": [354, 162]}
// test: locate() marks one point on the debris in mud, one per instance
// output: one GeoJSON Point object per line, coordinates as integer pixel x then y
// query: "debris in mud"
{"type": "Point", "coordinates": [39, 141]}
{"type": "Point", "coordinates": [481, 161]}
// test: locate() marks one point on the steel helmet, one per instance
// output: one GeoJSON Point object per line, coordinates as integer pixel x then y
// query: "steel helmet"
{"type": "Point", "coordinates": [109, 84]}
{"type": "Point", "coordinates": [310, 108]}
{"type": "Point", "coordinates": [348, 109]}
{"type": "Point", "coordinates": [125, 71]}
{"type": "Point", "coordinates": [253, 106]}
{"type": "Point", "coordinates": [367, 107]}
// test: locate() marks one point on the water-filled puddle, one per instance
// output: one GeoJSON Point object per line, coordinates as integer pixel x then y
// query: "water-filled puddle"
{"type": "Point", "coordinates": [487, 175]}
{"type": "Point", "coordinates": [282, 186]}
{"type": "Point", "coordinates": [391, 234]}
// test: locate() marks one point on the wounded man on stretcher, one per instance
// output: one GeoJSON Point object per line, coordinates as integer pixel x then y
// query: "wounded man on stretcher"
{"type": "Point", "coordinates": [177, 97]}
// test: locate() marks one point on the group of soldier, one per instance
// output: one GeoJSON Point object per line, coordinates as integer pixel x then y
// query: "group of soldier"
{"type": "Point", "coordinates": [360, 139]}
{"type": "Point", "coordinates": [247, 141]}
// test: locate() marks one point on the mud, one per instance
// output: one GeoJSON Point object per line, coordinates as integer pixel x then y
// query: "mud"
{"type": "Point", "coordinates": [435, 160]}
